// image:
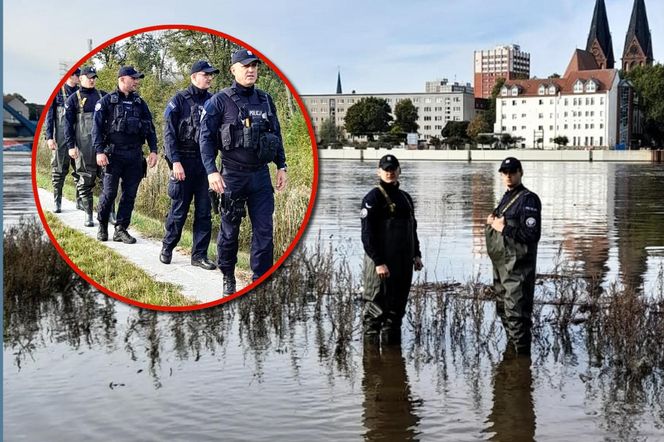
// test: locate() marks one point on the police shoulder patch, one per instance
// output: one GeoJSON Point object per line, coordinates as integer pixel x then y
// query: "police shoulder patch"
{"type": "Point", "coordinates": [97, 106]}
{"type": "Point", "coordinates": [531, 221]}
{"type": "Point", "coordinates": [171, 105]}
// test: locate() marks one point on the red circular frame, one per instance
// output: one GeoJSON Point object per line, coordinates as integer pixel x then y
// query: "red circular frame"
{"type": "Point", "coordinates": [275, 266]}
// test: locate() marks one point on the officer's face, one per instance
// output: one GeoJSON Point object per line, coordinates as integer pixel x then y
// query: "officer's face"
{"type": "Point", "coordinates": [511, 178]}
{"type": "Point", "coordinates": [73, 80]}
{"type": "Point", "coordinates": [88, 82]}
{"type": "Point", "coordinates": [389, 176]}
{"type": "Point", "coordinates": [202, 80]}
{"type": "Point", "coordinates": [245, 75]}
{"type": "Point", "coordinates": [128, 84]}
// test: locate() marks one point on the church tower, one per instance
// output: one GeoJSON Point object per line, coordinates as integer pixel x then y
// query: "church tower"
{"type": "Point", "coordinates": [599, 38]}
{"type": "Point", "coordinates": [638, 43]}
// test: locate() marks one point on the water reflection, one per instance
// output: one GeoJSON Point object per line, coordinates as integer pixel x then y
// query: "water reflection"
{"type": "Point", "coordinates": [17, 190]}
{"type": "Point", "coordinates": [389, 409]}
{"type": "Point", "coordinates": [513, 411]}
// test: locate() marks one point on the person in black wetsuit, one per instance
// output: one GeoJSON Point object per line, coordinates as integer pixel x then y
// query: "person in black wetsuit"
{"type": "Point", "coordinates": [392, 251]}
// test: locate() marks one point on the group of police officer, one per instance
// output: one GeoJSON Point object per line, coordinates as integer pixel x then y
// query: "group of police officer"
{"type": "Point", "coordinates": [102, 134]}
{"type": "Point", "coordinates": [392, 252]}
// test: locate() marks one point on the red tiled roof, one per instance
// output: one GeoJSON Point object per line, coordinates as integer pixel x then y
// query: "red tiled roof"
{"type": "Point", "coordinates": [581, 61]}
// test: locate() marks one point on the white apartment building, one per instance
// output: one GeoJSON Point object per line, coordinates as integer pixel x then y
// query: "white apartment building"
{"type": "Point", "coordinates": [434, 110]}
{"type": "Point", "coordinates": [583, 106]}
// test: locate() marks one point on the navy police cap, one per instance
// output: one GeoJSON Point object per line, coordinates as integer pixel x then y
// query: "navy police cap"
{"type": "Point", "coordinates": [77, 72]}
{"type": "Point", "coordinates": [203, 66]}
{"type": "Point", "coordinates": [130, 71]}
{"type": "Point", "coordinates": [89, 71]}
{"type": "Point", "coordinates": [388, 162]}
{"type": "Point", "coordinates": [244, 56]}
{"type": "Point", "coordinates": [510, 164]}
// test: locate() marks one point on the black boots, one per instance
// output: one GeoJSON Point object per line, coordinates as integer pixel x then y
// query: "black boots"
{"type": "Point", "coordinates": [102, 233]}
{"type": "Point", "coordinates": [79, 201]}
{"type": "Point", "coordinates": [121, 235]}
{"type": "Point", "coordinates": [87, 205]}
{"type": "Point", "coordinates": [229, 283]}
{"type": "Point", "coordinates": [203, 263]}
{"type": "Point", "coordinates": [165, 256]}
{"type": "Point", "coordinates": [57, 199]}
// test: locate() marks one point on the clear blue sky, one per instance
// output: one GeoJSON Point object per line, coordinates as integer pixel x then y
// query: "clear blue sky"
{"type": "Point", "coordinates": [379, 46]}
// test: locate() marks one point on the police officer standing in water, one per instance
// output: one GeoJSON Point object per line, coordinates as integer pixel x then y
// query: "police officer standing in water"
{"type": "Point", "coordinates": [55, 140]}
{"type": "Point", "coordinates": [392, 251]}
{"type": "Point", "coordinates": [122, 123]}
{"type": "Point", "coordinates": [79, 110]}
{"type": "Point", "coordinates": [188, 178]}
{"type": "Point", "coordinates": [241, 122]}
{"type": "Point", "coordinates": [512, 232]}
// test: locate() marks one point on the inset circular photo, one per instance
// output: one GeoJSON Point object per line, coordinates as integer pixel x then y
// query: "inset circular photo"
{"type": "Point", "coordinates": [175, 167]}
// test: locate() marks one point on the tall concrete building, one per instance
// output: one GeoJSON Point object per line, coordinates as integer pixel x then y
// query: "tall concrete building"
{"type": "Point", "coordinates": [507, 61]}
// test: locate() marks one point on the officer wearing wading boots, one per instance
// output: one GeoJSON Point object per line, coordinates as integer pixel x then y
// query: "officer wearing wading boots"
{"type": "Point", "coordinates": [122, 123]}
{"type": "Point", "coordinates": [55, 140]}
{"type": "Point", "coordinates": [79, 110]}
{"type": "Point", "coordinates": [188, 179]}
{"type": "Point", "coordinates": [392, 251]}
{"type": "Point", "coordinates": [241, 122]}
{"type": "Point", "coordinates": [512, 233]}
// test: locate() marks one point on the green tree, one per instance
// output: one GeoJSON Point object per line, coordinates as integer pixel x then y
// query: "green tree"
{"type": "Point", "coordinates": [554, 75]}
{"type": "Point", "coordinates": [435, 142]}
{"type": "Point", "coordinates": [369, 116]}
{"type": "Point", "coordinates": [456, 129]}
{"type": "Point", "coordinates": [490, 114]}
{"type": "Point", "coordinates": [328, 133]}
{"type": "Point", "coordinates": [406, 116]}
{"type": "Point", "coordinates": [561, 140]}
{"type": "Point", "coordinates": [507, 140]}
{"type": "Point", "coordinates": [455, 142]}
{"type": "Point", "coordinates": [648, 82]}
{"type": "Point", "coordinates": [485, 140]}
{"type": "Point", "coordinates": [477, 126]}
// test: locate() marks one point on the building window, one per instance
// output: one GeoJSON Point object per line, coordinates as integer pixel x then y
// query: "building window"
{"type": "Point", "coordinates": [540, 127]}
{"type": "Point", "coordinates": [578, 86]}
{"type": "Point", "coordinates": [601, 141]}
{"type": "Point", "coordinates": [513, 102]}
{"type": "Point", "coordinates": [513, 128]}
{"type": "Point", "coordinates": [515, 91]}
{"type": "Point", "coordinates": [541, 101]}
{"type": "Point", "coordinates": [564, 126]}
{"type": "Point", "coordinates": [601, 100]}
{"type": "Point", "coordinates": [523, 101]}
{"type": "Point", "coordinates": [566, 102]}
{"type": "Point", "coordinates": [541, 90]}
{"type": "Point", "coordinates": [523, 127]}
{"type": "Point", "coordinates": [523, 115]}
{"type": "Point", "coordinates": [513, 116]}
{"type": "Point", "coordinates": [552, 90]}
{"type": "Point", "coordinates": [551, 127]}
{"type": "Point", "coordinates": [601, 126]}
{"type": "Point", "coordinates": [591, 86]}
{"type": "Point", "coordinates": [540, 116]}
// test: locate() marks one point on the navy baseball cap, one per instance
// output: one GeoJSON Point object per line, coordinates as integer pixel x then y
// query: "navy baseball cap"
{"type": "Point", "coordinates": [89, 71]}
{"type": "Point", "coordinates": [244, 56]}
{"type": "Point", "coordinates": [130, 71]}
{"type": "Point", "coordinates": [510, 164]}
{"type": "Point", "coordinates": [388, 162]}
{"type": "Point", "coordinates": [203, 66]}
{"type": "Point", "coordinates": [77, 72]}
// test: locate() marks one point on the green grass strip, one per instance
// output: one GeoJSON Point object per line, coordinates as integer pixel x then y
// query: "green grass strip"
{"type": "Point", "coordinates": [112, 270]}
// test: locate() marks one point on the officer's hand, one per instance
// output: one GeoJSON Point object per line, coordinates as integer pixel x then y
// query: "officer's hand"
{"type": "Point", "coordinates": [490, 218]}
{"type": "Point", "coordinates": [51, 144]}
{"type": "Point", "coordinates": [152, 159]}
{"type": "Point", "coordinates": [102, 160]}
{"type": "Point", "coordinates": [216, 182]}
{"type": "Point", "coordinates": [498, 224]}
{"type": "Point", "coordinates": [382, 271]}
{"type": "Point", "coordinates": [73, 152]}
{"type": "Point", "coordinates": [178, 171]}
{"type": "Point", "coordinates": [282, 180]}
{"type": "Point", "coordinates": [417, 263]}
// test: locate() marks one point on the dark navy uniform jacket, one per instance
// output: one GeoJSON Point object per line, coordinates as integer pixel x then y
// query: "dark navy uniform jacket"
{"type": "Point", "coordinates": [102, 135]}
{"type": "Point", "coordinates": [375, 210]}
{"type": "Point", "coordinates": [177, 111]}
{"type": "Point", "coordinates": [89, 98]}
{"type": "Point", "coordinates": [214, 112]}
{"type": "Point", "coordinates": [59, 100]}
{"type": "Point", "coordinates": [523, 218]}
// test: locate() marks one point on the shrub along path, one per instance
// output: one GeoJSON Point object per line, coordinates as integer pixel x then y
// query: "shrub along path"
{"type": "Point", "coordinates": [196, 283]}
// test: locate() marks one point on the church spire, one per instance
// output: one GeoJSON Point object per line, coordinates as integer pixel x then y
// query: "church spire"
{"type": "Point", "coordinates": [599, 38]}
{"type": "Point", "coordinates": [339, 82]}
{"type": "Point", "coordinates": [638, 42]}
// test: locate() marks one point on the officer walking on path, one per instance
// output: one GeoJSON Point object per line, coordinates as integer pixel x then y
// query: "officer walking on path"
{"type": "Point", "coordinates": [55, 140]}
{"type": "Point", "coordinates": [241, 122]}
{"type": "Point", "coordinates": [512, 232]}
{"type": "Point", "coordinates": [392, 251]}
{"type": "Point", "coordinates": [79, 110]}
{"type": "Point", "coordinates": [122, 123]}
{"type": "Point", "coordinates": [188, 178]}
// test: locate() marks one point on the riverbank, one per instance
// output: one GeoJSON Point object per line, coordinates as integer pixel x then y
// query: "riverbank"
{"type": "Point", "coordinates": [620, 156]}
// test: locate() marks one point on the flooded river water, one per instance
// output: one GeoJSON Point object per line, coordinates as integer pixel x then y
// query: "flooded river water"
{"type": "Point", "coordinates": [79, 365]}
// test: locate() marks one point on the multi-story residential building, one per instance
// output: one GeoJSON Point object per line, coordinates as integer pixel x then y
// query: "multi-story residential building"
{"type": "Point", "coordinates": [506, 61]}
{"type": "Point", "coordinates": [434, 109]}
{"type": "Point", "coordinates": [582, 106]}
